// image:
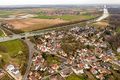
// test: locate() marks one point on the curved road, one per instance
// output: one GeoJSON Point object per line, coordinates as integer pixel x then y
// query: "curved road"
{"type": "Point", "coordinates": [31, 51]}
{"type": "Point", "coordinates": [105, 14]}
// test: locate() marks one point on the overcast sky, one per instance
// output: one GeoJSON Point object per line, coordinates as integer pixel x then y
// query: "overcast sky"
{"type": "Point", "coordinates": [43, 2]}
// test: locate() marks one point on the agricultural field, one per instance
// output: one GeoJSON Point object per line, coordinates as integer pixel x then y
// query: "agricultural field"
{"type": "Point", "coordinates": [101, 24]}
{"type": "Point", "coordinates": [4, 13]}
{"type": "Point", "coordinates": [42, 22]}
{"type": "Point", "coordinates": [66, 17]}
{"type": "Point", "coordinates": [39, 18]}
{"type": "Point", "coordinates": [1, 33]}
{"type": "Point", "coordinates": [118, 30]}
{"type": "Point", "coordinates": [33, 24]}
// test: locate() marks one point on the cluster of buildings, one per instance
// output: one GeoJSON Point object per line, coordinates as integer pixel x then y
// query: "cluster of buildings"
{"type": "Point", "coordinates": [10, 71]}
{"type": "Point", "coordinates": [14, 72]}
{"type": "Point", "coordinates": [94, 55]}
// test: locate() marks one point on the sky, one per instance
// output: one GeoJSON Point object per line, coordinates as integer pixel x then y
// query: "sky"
{"type": "Point", "coordinates": [51, 2]}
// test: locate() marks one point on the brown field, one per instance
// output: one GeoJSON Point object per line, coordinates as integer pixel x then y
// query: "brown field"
{"type": "Point", "coordinates": [33, 24]}
{"type": "Point", "coordinates": [101, 24]}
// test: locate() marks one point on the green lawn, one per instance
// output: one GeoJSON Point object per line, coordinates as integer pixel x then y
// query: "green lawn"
{"type": "Point", "coordinates": [5, 13]}
{"type": "Point", "coordinates": [14, 52]}
{"type": "Point", "coordinates": [75, 77]}
{"type": "Point", "coordinates": [74, 17]}
{"type": "Point", "coordinates": [51, 59]}
{"type": "Point", "coordinates": [118, 30]}
{"type": "Point", "coordinates": [66, 17]}
{"type": "Point", "coordinates": [1, 33]}
{"type": "Point", "coordinates": [9, 51]}
{"type": "Point", "coordinates": [12, 46]}
{"type": "Point", "coordinates": [44, 17]}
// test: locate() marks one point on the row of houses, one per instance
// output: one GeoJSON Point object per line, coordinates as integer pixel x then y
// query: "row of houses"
{"type": "Point", "coordinates": [94, 55]}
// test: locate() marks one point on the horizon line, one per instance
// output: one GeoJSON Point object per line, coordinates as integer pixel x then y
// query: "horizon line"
{"type": "Point", "coordinates": [61, 4]}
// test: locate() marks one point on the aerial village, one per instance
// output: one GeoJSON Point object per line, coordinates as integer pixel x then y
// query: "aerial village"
{"type": "Point", "coordinates": [77, 50]}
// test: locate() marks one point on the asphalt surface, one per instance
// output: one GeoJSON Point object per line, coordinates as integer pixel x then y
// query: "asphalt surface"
{"type": "Point", "coordinates": [105, 14]}
{"type": "Point", "coordinates": [31, 51]}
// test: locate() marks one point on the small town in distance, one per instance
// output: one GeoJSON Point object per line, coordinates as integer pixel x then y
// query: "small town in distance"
{"type": "Point", "coordinates": [60, 42]}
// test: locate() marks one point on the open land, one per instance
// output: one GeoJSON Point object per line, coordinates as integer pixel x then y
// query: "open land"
{"type": "Point", "coordinates": [44, 21]}
{"type": "Point", "coordinates": [39, 18]}
{"type": "Point", "coordinates": [13, 52]}
{"type": "Point", "coordinates": [80, 52]}
{"type": "Point", "coordinates": [33, 24]}
{"type": "Point", "coordinates": [1, 33]}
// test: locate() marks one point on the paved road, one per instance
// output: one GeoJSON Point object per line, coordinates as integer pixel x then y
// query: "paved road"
{"type": "Point", "coordinates": [3, 32]}
{"type": "Point", "coordinates": [31, 51]}
{"type": "Point", "coordinates": [114, 62]}
{"type": "Point", "coordinates": [105, 14]}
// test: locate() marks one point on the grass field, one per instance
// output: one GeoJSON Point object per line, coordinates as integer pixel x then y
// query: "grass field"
{"type": "Point", "coordinates": [10, 52]}
{"type": "Point", "coordinates": [4, 14]}
{"type": "Point", "coordinates": [1, 33]}
{"type": "Point", "coordinates": [51, 59]}
{"type": "Point", "coordinates": [75, 77]}
{"type": "Point", "coordinates": [14, 52]}
{"type": "Point", "coordinates": [66, 17]}
{"type": "Point", "coordinates": [118, 30]}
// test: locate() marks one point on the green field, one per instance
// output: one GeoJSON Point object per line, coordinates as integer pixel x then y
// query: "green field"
{"type": "Point", "coordinates": [10, 52]}
{"type": "Point", "coordinates": [66, 17]}
{"type": "Point", "coordinates": [51, 59]}
{"type": "Point", "coordinates": [1, 33]}
{"type": "Point", "coordinates": [14, 52]}
{"type": "Point", "coordinates": [75, 77]}
{"type": "Point", "coordinates": [5, 13]}
{"type": "Point", "coordinates": [118, 30]}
